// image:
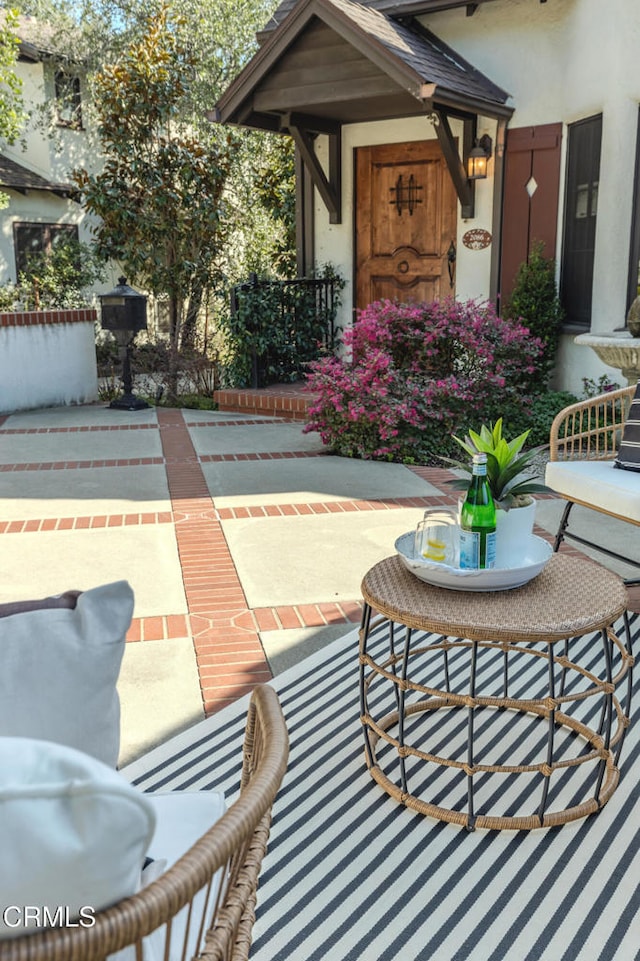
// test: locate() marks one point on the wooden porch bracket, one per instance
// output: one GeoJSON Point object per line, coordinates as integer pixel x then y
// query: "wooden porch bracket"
{"type": "Point", "coordinates": [465, 188]}
{"type": "Point", "coordinates": [330, 189]}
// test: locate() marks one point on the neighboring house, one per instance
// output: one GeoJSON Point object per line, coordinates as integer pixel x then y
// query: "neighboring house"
{"type": "Point", "coordinates": [47, 357]}
{"type": "Point", "coordinates": [387, 100]}
{"type": "Point", "coordinates": [35, 172]}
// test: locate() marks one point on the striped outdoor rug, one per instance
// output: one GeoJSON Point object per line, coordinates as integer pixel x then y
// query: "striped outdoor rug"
{"type": "Point", "coordinates": [351, 875]}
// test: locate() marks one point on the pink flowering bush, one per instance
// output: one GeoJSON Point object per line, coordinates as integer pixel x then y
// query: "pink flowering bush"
{"type": "Point", "coordinates": [416, 374]}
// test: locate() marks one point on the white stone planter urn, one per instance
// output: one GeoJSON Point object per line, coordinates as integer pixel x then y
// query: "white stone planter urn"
{"type": "Point", "coordinates": [514, 529]}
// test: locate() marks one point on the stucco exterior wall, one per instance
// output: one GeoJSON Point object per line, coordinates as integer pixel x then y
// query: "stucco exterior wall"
{"type": "Point", "coordinates": [575, 362]}
{"type": "Point", "coordinates": [566, 62]}
{"type": "Point", "coordinates": [47, 360]}
{"type": "Point", "coordinates": [52, 157]}
{"type": "Point", "coordinates": [36, 207]}
{"type": "Point", "coordinates": [561, 62]}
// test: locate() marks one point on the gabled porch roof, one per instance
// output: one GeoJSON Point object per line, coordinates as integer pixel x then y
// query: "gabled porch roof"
{"type": "Point", "coordinates": [341, 61]}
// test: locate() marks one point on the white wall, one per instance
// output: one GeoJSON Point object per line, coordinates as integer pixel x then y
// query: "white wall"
{"type": "Point", "coordinates": [575, 362]}
{"type": "Point", "coordinates": [52, 158]}
{"type": "Point", "coordinates": [52, 154]}
{"type": "Point", "coordinates": [561, 61]}
{"type": "Point", "coordinates": [47, 365]}
{"type": "Point", "coordinates": [40, 207]}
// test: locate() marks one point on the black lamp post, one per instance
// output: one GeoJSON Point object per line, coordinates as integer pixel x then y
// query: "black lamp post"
{"type": "Point", "coordinates": [124, 313]}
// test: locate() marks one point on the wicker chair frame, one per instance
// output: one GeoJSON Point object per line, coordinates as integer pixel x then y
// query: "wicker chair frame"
{"type": "Point", "coordinates": [591, 430]}
{"type": "Point", "coordinates": [235, 844]}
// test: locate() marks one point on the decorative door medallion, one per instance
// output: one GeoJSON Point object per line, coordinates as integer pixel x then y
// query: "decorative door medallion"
{"type": "Point", "coordinates": [406, 213]}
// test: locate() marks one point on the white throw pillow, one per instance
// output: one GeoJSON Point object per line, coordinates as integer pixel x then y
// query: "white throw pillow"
{"type": "Point", "coordinates": [60, 668]}
{"type": "Point", "coordinates": [74, 836]}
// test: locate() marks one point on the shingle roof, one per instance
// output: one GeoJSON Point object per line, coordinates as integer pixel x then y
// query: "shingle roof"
{"type": "Point", "coordinates": [393, 7]}
{"type": "Point", "coordinates": [41, 40]}
{"type": "Point", "coordinates": [17, 177]}
{"type": "Point", "coordinates": [425, 53]}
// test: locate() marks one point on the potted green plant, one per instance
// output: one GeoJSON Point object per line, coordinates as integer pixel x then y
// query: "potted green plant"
{"type": "Point", "coordinates": [511, 484]}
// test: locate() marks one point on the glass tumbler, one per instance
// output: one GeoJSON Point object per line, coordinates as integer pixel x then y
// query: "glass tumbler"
{"type": "Point", "coordinates": [436, 537]}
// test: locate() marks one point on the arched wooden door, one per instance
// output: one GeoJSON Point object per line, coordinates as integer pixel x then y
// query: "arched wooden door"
{"type": "Point", "coordinates": [406, 212]}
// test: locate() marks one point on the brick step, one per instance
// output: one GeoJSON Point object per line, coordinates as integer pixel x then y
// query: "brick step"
{"type": "Point", "coordinates": [290, 401]}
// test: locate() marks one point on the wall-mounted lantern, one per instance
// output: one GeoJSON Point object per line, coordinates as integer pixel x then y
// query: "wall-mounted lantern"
{"type": "Point", "coordinates": [478, 158]}
{"type": "Point", "coordinates": [124, 313]}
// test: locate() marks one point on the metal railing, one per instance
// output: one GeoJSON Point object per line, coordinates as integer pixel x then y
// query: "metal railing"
{"type": "Point", "coordinates": [288, 323]}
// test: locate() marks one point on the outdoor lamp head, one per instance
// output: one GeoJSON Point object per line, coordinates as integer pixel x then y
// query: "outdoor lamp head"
{"type": "Point", "coordinates": [478, 159]}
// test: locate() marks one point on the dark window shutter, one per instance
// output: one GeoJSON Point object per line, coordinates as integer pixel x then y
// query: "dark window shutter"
{"type": "Point", "coordinates": [581, 207]}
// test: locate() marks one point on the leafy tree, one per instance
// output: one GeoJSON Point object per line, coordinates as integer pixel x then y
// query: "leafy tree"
{"type": "Point", "coordinates": [159, 195]}
{"type": "Point", "coordinates": [212, 40]}
{"type": "Point", "coordinates": [276, 191]}
{"type": "Point", "coordinates": [58, 278]}
{"type": "Point", "coordinates": [12, 115]}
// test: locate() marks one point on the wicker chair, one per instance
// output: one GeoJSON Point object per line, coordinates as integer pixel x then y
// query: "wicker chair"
{"type": "Point", "coordinates": [236, 844]}
{"type": "Point", "coordinates": [584, 441]}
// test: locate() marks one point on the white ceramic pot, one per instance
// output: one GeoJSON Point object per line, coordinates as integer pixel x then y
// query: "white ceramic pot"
{"type": "Point", "coordinates": [513, 532]}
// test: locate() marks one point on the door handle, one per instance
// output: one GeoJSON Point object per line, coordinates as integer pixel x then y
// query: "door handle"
{"type": "Point", "coordinates": [451, 262]}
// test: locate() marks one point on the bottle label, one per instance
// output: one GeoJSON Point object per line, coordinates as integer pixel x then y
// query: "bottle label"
{"type": "Point", "coordinates": [490, 553]}
{"type": "Point", "coordinates": [469, 550]}
{"type": "Point", "coordinates": [471, 547]}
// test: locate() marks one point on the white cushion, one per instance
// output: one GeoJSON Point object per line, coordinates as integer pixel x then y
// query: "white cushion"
{"type": "Point", "coordinates": [59, 671]}
{"type": "Point", "coordinates": [598, 483]}
{"type": "Point", "coordinates": [182, 817]}
{"type": "Point", "coordinates": [74, 834]}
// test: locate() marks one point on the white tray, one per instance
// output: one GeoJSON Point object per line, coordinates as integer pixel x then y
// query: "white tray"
{"type": "Point", "coordinates": [537, 556]}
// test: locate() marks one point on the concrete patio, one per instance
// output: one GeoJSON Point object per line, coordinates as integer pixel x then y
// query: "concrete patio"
{"type": "Point", "coordinates": [244, 541]}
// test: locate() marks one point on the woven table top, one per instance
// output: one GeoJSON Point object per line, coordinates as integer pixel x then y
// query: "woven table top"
{"type": "Point", "coordinates": [572, 596]}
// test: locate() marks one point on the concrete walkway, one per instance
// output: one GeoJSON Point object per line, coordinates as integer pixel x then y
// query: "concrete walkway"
{"type": "Point", "coordinates": [244, 541]}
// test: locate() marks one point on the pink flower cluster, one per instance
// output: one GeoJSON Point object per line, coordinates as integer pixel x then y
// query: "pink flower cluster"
{"type": "Point", "coordinates": [415, 371]}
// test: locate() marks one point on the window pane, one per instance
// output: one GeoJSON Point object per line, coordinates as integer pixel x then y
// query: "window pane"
{"type": "Point", "coordinates": [33, 239]}
{"type": "Point", "coordinates": [633, 289]}
{"type": "Point", "coordinates": [29, 240]}
{"type": "Point", "coordinates": [68, 99]}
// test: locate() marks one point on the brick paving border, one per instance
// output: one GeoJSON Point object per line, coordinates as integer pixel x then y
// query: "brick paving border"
{"type": "Point", "coordinates": [225, 631]}
{"type": "Point", "coordinates": [229, 655]}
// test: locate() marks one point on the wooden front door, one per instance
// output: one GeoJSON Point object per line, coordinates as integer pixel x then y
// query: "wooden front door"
{"type": "Point", "coordinates": [406, 210]}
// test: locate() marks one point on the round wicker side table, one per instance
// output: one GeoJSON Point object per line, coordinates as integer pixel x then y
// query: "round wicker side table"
{"type": "Point", "coordinates": [501, 709]}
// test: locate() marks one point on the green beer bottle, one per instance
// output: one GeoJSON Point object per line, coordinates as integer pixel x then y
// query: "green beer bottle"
{"type": "Point", "coordinates": [478, 521]}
